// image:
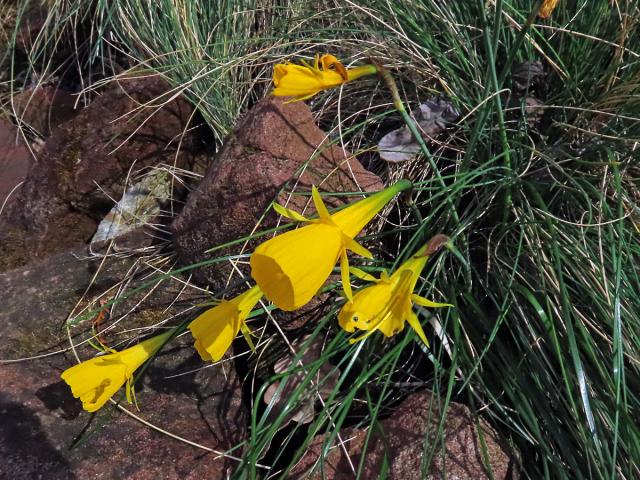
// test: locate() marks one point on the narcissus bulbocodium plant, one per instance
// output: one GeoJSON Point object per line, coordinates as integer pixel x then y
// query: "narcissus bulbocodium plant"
{"type": "Point", "coordinates": [388, 303]}
{"type": "Point", "coordinates": [304, 81]}
{"type": "Point", "coordinates": [216, 328]}
{"type": "Point", "coordinates": [547, 8]}
{"type": "Point", "coordinates": [290, 268]}
{"type": "Point", "coordinates": [96, 380]}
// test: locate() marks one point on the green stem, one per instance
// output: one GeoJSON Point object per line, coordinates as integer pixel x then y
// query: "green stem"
{"type": "Point", "coordinates": [522, 34]}
{"type": "Point", "coordinates": [513, 51]}
{"type": "Point", "coordinates": [397, 103]}
{"type": "Point", "coordinates": [491, 48]}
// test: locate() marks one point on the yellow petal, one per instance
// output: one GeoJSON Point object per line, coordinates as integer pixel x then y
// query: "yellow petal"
{"type": "Point", "coordinates": [279, 71]}
{"type": "Point", "coordinates": [290, 268]}
{"type": "Point", "coordinates": [415, 324]}
{"type": "Point", "coordinates": [396, 311]}
{"type": "Point", "coordinates": [329, 61]}
{"type": "Point", "coordinates": [362, 275]}
{"type": "Point", "coordinates": [321, 208]}
{"type": "Point", "coordinates": [247, 334]}
{"type": "Point", "coordinates": [384, 306]}
{"type": "Point", "coordinates": [344, 273]}
{"type": "Point", "coordinates": [215, 330]}
{"type": "Point", "coordinates": [304, 81]}
{"type": "Point", "coordinates": [285, 212]}
{"type": "Point", "coordinates": [423, 302]}
{"type": "Point", "coordinates": [96, 380]}
{"type": "Point", "coordinates": [353, 218]}
{"type": "Point", "coordinates": [368, 306]}
{"type": "Point", "coordinates": [356, 248]}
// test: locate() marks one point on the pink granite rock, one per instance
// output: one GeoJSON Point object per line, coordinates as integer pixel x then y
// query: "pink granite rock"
{"type": "Point", "coordinates": [266, 153]}
{"type": "Point", "coordinates": [87, 160]}
{"type": "Point", "coordinates": [403, 444]}
{"type": "Point", "coordinates": [14, 159]}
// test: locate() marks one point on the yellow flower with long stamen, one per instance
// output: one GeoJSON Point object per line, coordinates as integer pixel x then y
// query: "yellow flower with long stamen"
{"type": "Point", "coordinates": [388, 303]}
{"type": "Point", "coordinates": [96, 380]}
{"type": "Point", "coordinates": [547, 8]}
{"type": "Point", "coordinates": [292, 267]}
{"type": "Point", "coordinates": [304, 81]}
{"type": "Point", "coordinates": [216, 328]}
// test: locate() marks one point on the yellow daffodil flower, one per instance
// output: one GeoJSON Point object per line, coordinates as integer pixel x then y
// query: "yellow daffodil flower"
{"type": "Point", "coordinates": [547, 8]}
{"type": "Point", "coordinates": [304, 81]}
{"type": "Point", "coordinates": [388, 303]}
{"type": "Point", "coordinates": [291, 268]}
{"type": "Point", "coordinates": [216, 328]}
{"type": "Point", "coordinates": [96, 380]}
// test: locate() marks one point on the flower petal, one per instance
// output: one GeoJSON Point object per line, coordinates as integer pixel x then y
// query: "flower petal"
{"type": "Point", "coordinates": [356, 248]}
{"type": "Point", "coordinates": [304, 81]}
{"type": "Point", "coordinates": [366, 309]}
{"type": "Point", "coordinates": [353, 218]}
{"type": "Point", "coordinates": [96, 380]}
{"type": "Point", "coordinates": [423, 302]}
{"type": "Point", "coordinates": [415, 324]}
{"type": "Point", "coordinates": [362, 275]}
{"type": "Point", "coordinates": [344, 274]}
{"type": "Point", "coordinates": [285, 212]}
{"type": "Point", "coordinates": [329, 61]}
{"type": "Point", "coordinates": [321, 208]}
{"type": "Point", "coordinates": [215, 330]}
{"type": "Point", "coordinates": [290, 268]}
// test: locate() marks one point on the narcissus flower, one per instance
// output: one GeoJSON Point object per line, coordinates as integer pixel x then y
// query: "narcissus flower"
{"type": "Point", "coordinates": [291, 268]}
{"type": "Point", "coordinates": [304, 81]}
{"type": "Point", "coordinates": [96, 380]}
{"type": "Point", "coordinates": [547, 8]}
{"type": "Point", "coordinates": [216, 328]}
{"type": "Point", "coordinates": [388, 303]}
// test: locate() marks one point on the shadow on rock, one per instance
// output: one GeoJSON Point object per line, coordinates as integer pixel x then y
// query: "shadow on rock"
{"type": "Point", "coordinates": [24, 448]}
{"type": "Point", "coordinates": [58, 396]}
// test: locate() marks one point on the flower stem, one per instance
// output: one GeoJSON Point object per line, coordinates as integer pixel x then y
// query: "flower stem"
{"type": "Point", "coordinates": [397, 103]}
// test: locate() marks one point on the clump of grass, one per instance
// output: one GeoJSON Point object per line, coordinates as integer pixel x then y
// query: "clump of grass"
{"type": "Point", "coordinates": [7, 25]}
{"type": "Point", "coordinates": [543, 213]}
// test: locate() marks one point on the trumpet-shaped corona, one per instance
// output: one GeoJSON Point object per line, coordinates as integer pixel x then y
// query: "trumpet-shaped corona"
{"type": "Point", "coordinates": [292, 267]}
{"type": "Point", "coordinates": [388, 303]}
{"type": "Point", "coordinates": [304, 81]}
{"type": "Point", "coordinates": [96, 380]}
{"type": "Point", "coordinates": [216, 328]}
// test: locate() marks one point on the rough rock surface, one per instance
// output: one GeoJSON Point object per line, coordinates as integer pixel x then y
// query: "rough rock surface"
{"type": "Point", "coordinates": [264, 154]}
{"type": "Point", "coordinates": [14, 159]}
{"type": "Point", "coordinates": [44, 108]}
{"type": "Point", "coordinates": [86, 160]}
{"type": "Point", "coordinates": [460, 457]}
{"type": "Point", "coordinates": [39, 419]}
